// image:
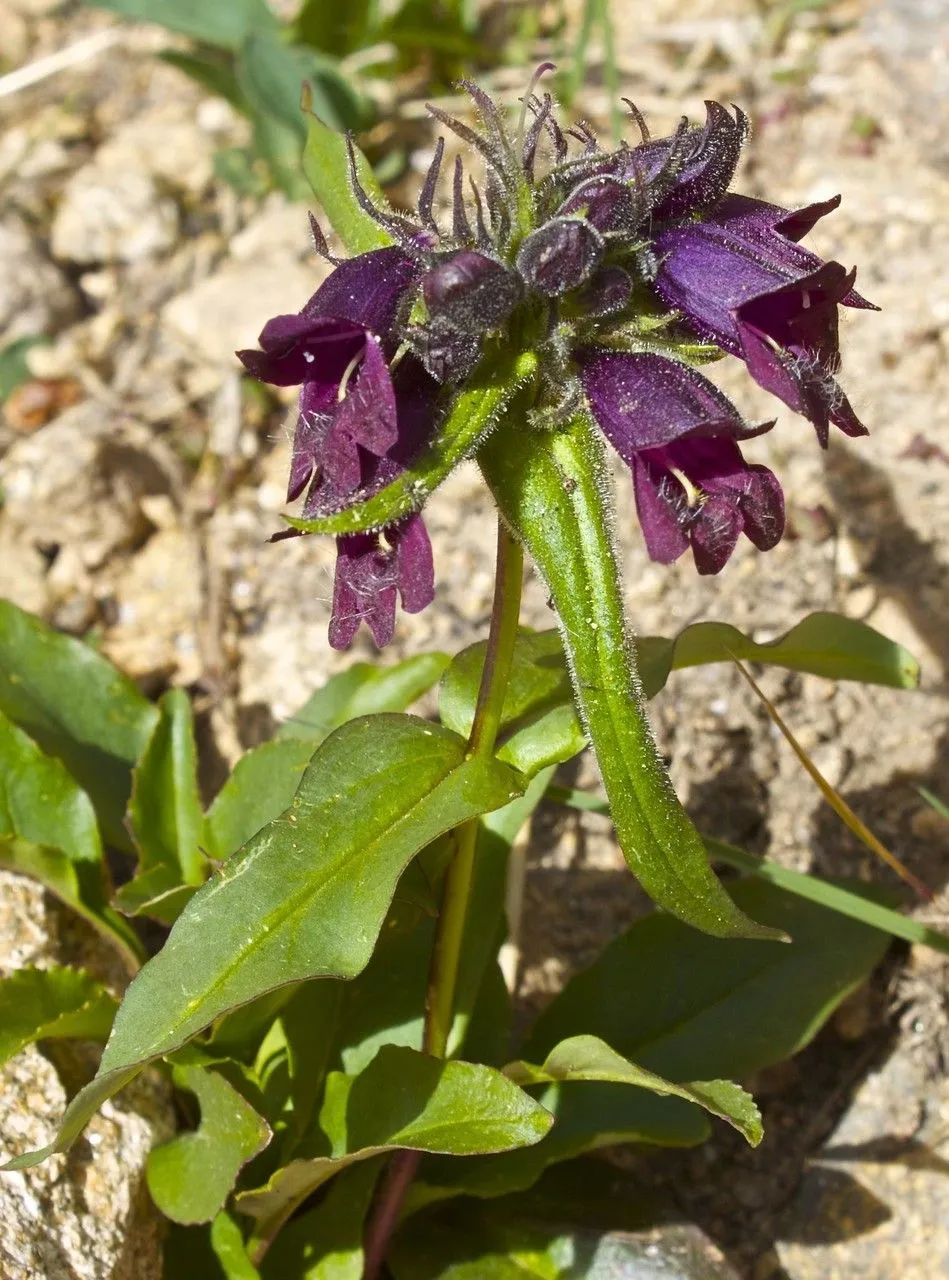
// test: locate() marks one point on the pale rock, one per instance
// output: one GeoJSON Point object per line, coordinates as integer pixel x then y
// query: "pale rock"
{"type": "Point", "coordinates": [281, 229]}
{"type": "Point", "coordinates": [14, 36]}
{"type": "Point", "coordinates": [36, 8]}
{"type": "Point", "coordinates": [227, 311]}
{"type": "Point", "coordinates": [86, 1215]}
{"type": "Point", "coordinates": [46, 507]}
{"type": "Point", "coordinates": [113, 215]}
{"type": "Point", "coordinates": [159, 610]}
{"type": "Point", "coordinates": [35, 296]}
{"type": "Point", "coordinates": [167, 144]}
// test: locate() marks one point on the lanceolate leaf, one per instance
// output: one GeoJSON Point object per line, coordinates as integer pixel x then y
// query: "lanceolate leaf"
{"type": "Point", "coordinates": [364, 689]}
{"type": "Point", "coordinates": [326, 1242]}
{"type": "Point", "coordinates": [77, 707]}
{"type": "Point", "coordinates": [539, 725]}
{"type": "Point", "coordinates": [588, 1058]}
{"type": "Point", "coordinates": [587, 1115]}
{"type": "Point", "coordinates": [473, 413]}
{"type": "Point", "coordinates": [550, 490]}
{"type": "Point", "coordinates": [221, 22]}
{"type": "Point", "coordinates": [823, 644]}
{"type": "Point", "coordinates": [40, 802]}
{"type": "Point", "coordinates": [48, 1004]}
{"type": "Point", "coordinates": [715, 1007]}
{"type": "Point", "coordinates": [79, 885]}
{"type": "Point", "coordinates": [261, 785]}
{"type": "Point", "coordinates": [165, 816]}
{"type": "Point", "coordinates": [326, 165]}
{"type": "Point", "coordinates": [191, 1176]}
{"type": "Point", "coordinates": [306, 897]}
{"type": "Point", "coordinates": [165, 809]}
{"type": "Point", "coordinates": [403, 1099]}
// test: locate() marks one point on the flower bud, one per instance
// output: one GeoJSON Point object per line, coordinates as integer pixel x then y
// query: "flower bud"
{"type": "Point", "coordinates": [560, 256]}
{"type": "Point", "coordinates": [471, 291]}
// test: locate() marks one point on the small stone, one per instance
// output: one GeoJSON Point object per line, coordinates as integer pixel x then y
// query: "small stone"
{"type": "Point", "coordinates": [35, 296]}
{"type": "Point", "coordinates": [112, 215]}
{"type": "Point", "coordinates": [223, 313]}
{"type": "Point", "coordinates": [166, 144]}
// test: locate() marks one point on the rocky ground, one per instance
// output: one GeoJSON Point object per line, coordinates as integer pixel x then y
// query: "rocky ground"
{"type": "Point", "coordinates": [140, 480]}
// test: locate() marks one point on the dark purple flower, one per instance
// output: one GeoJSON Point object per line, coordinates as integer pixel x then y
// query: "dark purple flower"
{"type": "Point", "coordinates": [742, 281]}
{"type": "Point", "coordinates": [689, 171]}
{"type": "Point", "coordinates": [359, 425]}
{"type": "Point", "coordinates": [368, 575]}
{"type": "Point", "coordinates": [678, 434]}
{"type": "Point", "coordinates": [337, 348]}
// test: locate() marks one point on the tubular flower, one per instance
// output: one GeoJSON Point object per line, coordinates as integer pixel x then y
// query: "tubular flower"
{"type": "Point", "coordinates": [618, 270]}
{"type": "Point", "coordinates": [358, 425]}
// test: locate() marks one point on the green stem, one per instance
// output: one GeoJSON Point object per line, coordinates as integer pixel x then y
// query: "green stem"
{"type": "Point", "coordinates": [484, 730]}
{"type": "Point", "coordinates": [449, 934]}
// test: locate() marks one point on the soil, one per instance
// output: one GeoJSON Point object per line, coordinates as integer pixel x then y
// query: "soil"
{"type": "Point", "coordinates": [140, 484]}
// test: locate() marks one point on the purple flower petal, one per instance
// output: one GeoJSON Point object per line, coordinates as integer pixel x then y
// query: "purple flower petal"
{"type": "Point", "coordinates": [662, 505]}
{"type": "Point", "coordinates": [366, 290]}
{"type": "Point", "coordinates": [302, 348]}
{"type": "Point", "coordinates": [414, 563]}
{"type": "Point", "coordinates": [760, 296]}
{"type": "Point", "coordinates": [366, 416]}
{"type": "Point", "coordinates": [369, 576]}
{"type": "Point", "coordinates": [641, 400]}
{"type": "Point", "coordinates": [688, 173]}
{"type": "Point", "coordinates": [678, 433]}
{"type": "Point", "coordinates": [364, 590]}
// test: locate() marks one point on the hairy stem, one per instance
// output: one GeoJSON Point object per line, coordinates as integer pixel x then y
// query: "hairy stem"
{"type": "Point", "coordinates": [449, 935]}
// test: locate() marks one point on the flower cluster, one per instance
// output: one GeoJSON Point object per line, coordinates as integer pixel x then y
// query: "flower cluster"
{"type": "Point", "coordinates": [621, 270]}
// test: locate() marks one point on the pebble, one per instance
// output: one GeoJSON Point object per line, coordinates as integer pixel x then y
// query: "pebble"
{"type": "Point", "coordinates": [112, 215]}
{"type": "Point", "coordinates": [35, 297]}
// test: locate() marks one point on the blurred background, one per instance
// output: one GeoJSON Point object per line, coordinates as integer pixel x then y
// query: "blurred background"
{"type": "Point", "coordinates": [153, 217]}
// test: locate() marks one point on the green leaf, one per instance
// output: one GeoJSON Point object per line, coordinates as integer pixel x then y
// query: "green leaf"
{"type": "Point", "coordinates": [851, 902]}
{"type": "Point", "coordinates": [79, 885]}
{"type": "Point", "coordinates": [823, 644]}
{"type": "Point", "coordinates": [77, 707]}
{"type": "Point", "coordinates": [591, 1223]}
{"type": "Point", "coordinates": [588, 1058]}
{"type": "Point", "coordinates": [213, 72]}
{"type": "Point", "coordinates": [364, 689]}
{"type": "Point", "coordinates": [52, 1004]}
{"type": "Point", "coordinates": [261, 786]}
{"type": "Point", "coordinates": [587, 1116]}
{"type": "Point", "coordinates": [165, 816]}
{"type": "Point", "coordinates": [14, 369]}
{"type": "Point", "coordinates": [385, 1004]}
{"type": "Point", "coordinates": [225, 23]}
{"type": "Point", "coordinates": [228, 1245]}
{"type": "Point", "coordinates": [550, 489]}
{"type": "Point", "coordinates": [191, 1176]}
{"type": "Point", "coordinates": [337, 27]}
{"type": "Point", "coordinates": [40, 802]}
{"type": "Point", "coordinates": [306, 897]}
{"type": "Point", "coordinates": [403, 1099]}
{"type": "Point", "coordinates": [474, 411]}
{"type": "Point", "coordinates": [271, 75]}
{"type": "Point", "coordinates": [326, 166]}
{"type": "Point", "coordinates": [715, 1007]}
{"type": "Point", "coordinates": [326, 1242]}
{"type": "Point", "coordinates": [539, 725]}
{"type": "Point", "coordinates": [934, 802]}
